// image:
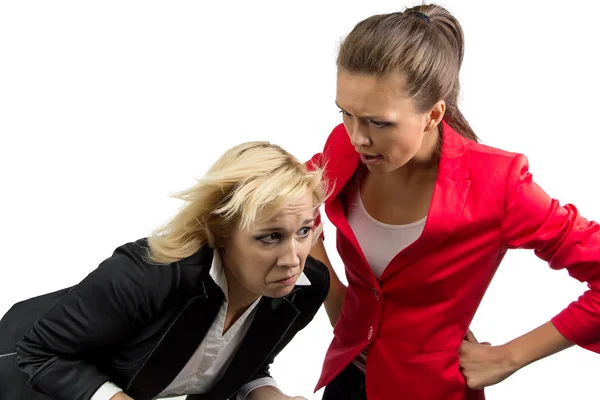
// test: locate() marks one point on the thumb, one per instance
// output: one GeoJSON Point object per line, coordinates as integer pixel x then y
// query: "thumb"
{"type": "Point", "coordinates": [470, 337]}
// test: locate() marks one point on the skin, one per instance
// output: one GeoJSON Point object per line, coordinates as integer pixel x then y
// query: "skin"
{"type": "Point", "coordinates": [262, 393]}
{"type": "Point", "coordinates": [381, 120]}
{"type": "Point", "coordinates": [257, 259]}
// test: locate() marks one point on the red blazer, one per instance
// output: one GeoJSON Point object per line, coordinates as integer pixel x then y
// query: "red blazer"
{"type": "Point", "coordinates": [413, 319]}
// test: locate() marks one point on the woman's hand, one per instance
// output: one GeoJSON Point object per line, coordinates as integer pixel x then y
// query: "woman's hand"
{"type": "Point", "coordinates": [270, 393]}
{"type": "Point", "coordinates": [120, 396]}
{"type": "Point", "coordinates": [483, 364]}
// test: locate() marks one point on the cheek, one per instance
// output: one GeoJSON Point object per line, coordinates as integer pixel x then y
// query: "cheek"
{"type": "Point", "coordinates": [401, 147]}
{"type": "Point", "coordinates": [249, 265]}
{"type": "Point", "coordinates": [305, 247]}
{"type": "Point", "coordinates": [261, 265]}
{"type": "Point", "coordinates": [404, 143]}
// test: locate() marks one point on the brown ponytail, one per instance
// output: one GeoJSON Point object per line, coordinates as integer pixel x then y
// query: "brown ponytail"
{"type": "Point", "coordinates": [425, 43]}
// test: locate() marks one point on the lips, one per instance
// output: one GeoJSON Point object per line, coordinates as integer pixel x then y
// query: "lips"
{"type": "Point", "coordinates": [287, 280]}
{"type": "Point", "coordinates": [370, 159]}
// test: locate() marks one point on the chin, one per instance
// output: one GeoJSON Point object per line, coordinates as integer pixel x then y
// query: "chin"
{"type": "Point", "coordinates": [279, 292]}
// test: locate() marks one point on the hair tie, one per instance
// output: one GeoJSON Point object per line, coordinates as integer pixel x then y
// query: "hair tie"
{"type": "Point", "coordinates": [421, 15]}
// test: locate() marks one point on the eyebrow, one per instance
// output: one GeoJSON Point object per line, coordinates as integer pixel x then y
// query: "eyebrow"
{"type": "Point", "coordinates": [279, 229]}
{"type": "Point", "coordinates": [363, 116]}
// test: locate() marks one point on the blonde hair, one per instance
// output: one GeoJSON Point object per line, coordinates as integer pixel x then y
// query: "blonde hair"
{"type": "Point", "coordinates": [247, 184]}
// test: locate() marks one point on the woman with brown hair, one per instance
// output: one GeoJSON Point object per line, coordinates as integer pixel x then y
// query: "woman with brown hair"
{"type": "Point", "coordinates": [424, 216]}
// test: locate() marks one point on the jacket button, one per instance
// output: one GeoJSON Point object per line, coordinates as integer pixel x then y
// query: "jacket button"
{"type": "Point", "coordinates": [376, 294]}
{"type": "Point", "coordinates": [370, 335]}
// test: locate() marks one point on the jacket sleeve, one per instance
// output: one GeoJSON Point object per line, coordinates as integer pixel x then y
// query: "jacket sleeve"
{"type": "Point", "coordinates": [563, 238]}
{"type": "Point", "coordinates": [112, 302]}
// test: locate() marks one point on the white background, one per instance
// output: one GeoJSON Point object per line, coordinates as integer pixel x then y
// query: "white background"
{"type": "Point", "coordinates": [107, 107]}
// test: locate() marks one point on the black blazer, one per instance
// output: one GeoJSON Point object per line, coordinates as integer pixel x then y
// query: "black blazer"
{"type": "Point", "coordinates": [137, 324]}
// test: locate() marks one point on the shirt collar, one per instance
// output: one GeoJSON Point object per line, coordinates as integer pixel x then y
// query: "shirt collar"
{"type": "Point", "coordinates": [217, 273]}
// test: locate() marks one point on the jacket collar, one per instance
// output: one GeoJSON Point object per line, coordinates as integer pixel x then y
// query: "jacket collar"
{"type": "Point", "coordinates": [217, 273]}
{"type": "Point", "coordinates": [274, 317]}
{"type": "Point", "coordinates": [341, 160]}
{"type": "Point", "coordinates": [449, 196]}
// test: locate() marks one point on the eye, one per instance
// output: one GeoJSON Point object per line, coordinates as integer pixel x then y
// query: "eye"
{"type": "Point", "coordinates": [378, 124]}
{"type": "Point", "coordinates": [345, 113]}
{"type": "Point", "coordinates": [304, 232]}
{"type": "Point", "coordinates": [271, 238]}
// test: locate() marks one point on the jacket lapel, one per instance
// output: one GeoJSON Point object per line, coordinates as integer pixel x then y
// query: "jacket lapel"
{"type": "Point", "coordinates": [341, 163]}
{"type": "Point", "coordinates": [273, 319]}
{"type": "Point", "coordinates": [181, 338]}
{"type": "Point", "coordinates": [447, 203]}
{"type": "Point", "coordinates": [449, 196]}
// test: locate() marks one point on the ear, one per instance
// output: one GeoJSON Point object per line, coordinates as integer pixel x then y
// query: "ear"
{"type": "Point", "coordinates": [435, 115]}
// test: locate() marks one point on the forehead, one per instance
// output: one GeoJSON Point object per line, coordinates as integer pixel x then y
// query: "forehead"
{"type": "Point", "coordinates": [294, 212]}
{"type": "Point", "coordinates": [369, 94]}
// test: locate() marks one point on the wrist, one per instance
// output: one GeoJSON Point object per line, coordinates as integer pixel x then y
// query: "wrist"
{"type": "Point", "coordinates": [266, 393]}
{"type": "Point", "coordinates": [512, 358]}
{"type": "Point", "coordinates": [120, 396]}
{"type": "Point", "coordinates": [541, 342]}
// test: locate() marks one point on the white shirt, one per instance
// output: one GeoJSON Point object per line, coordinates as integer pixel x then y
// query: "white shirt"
{"type": "Point", "coordinates": [379, 242]}
{"type": "Point", "coordinates": [215, 352]}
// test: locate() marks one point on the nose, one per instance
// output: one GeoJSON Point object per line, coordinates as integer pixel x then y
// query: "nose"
{"type": "Point", "coordinates": [289, 257]}
{"type": "Point", "coordinates": [357, 134]}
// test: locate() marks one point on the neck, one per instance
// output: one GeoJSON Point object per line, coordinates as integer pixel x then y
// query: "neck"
{"type": "Point", "coordinates": [424, 165]}
{"type": "Point", "coordinates": [240, 298]}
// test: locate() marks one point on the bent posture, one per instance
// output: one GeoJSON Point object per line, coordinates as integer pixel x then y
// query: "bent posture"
{"type": "Point", "coordinates": [200, 308]}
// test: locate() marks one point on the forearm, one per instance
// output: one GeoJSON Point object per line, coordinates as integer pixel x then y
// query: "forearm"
{"type": "Point", "coordinates": [266, 393]}
{"type": "Point", "coordinates": [337, 290]}
{"type": "Point", "coordinates": [535, 345]}
{"type": "Point", "coordinates": [334, 301]}
{"type": "Point", "coordinates": [120, 396]}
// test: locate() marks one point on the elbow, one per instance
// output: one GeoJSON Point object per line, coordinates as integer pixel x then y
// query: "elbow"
{"type": "Point", "coordinates": [23, 356]}
{"type": "Point", "coordinates": [28, 358]}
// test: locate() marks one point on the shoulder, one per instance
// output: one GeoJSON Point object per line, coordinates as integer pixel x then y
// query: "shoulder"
{"type": "Point", "coordinates": [337, 148]}
{"type": "Point", "coordinates": [338, 145]}
{"type": "Point", "coordinates": [185, 275]}
{"type": "Point", "coordinates": [492, 164]}
{"type": "Point", "coordinates": [337, 134]}
{"type": "Point", "coordinates": [129, 269]}
{"type": "Point", "coordinates": [481, 160]}
{"type": "Point", "coordinates": [131, 261]}
{"type": "Point", "coordinates": [486, 152]}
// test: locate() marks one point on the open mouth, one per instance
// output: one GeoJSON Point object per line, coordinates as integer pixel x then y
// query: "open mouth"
{"type": "Point", "coordinates": [370, 159]}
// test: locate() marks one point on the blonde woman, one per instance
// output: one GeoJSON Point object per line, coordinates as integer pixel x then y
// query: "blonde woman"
{"type": "Point", "coordinates": [201, 308]}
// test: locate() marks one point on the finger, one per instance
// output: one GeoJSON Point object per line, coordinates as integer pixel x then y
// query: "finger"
{"type": "Point", "coordinates": [470, 337]}
{"type": "Point", "coordinates": [465, 346]}
{"type": "Point", "coordinates": [486, 343]}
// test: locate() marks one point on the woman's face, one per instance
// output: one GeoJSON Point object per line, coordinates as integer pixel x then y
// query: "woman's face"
{"type": "Point", "coordinates": [382, 122]}
{"type": "Point", "coordinates": [267, 259]}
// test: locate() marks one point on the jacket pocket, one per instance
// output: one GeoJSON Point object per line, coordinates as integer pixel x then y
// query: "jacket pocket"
{"type": "Point", "coordinates": [434, 376]}
{"type": "Point", "coordinates": [433, 356]}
